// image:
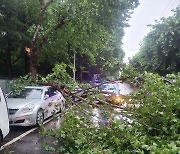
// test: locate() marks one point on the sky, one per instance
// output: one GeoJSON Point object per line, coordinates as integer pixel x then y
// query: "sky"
{"type": "Point", "coordinates": [146, 13]}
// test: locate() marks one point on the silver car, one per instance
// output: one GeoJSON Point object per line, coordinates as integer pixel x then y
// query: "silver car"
{"type": "Point", "coordinates": [34, 104]}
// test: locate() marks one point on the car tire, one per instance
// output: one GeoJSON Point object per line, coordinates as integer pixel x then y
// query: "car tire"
{"type": "Point", "coordinates": [39, 117]}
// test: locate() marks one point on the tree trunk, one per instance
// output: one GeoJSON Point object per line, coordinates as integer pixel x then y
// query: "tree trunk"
{"type": "Point", "coordinates": [33, 66]}
{"type": "Point", "coordinates": [34, 51]}
{"type": "Point", "coordinates": [33, 60]}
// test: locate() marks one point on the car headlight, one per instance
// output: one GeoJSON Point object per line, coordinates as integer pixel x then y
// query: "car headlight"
{"type": "Point", "coordinates": [27, 108]}
{"type": "Point", "coordinates": [118, 99]}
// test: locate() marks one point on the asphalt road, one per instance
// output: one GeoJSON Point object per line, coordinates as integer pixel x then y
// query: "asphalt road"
{"type": "Point", "coordinates": [27, 140]}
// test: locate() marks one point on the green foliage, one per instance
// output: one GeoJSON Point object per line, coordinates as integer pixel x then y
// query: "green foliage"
{"type": "Point", "coordinates": [154, 109]}
{"type": "Point", "coordinates": [154, 130]}
{"type": "Point", "coordinates": [59, 76]}
{"type": "Point", "coordinates": [75, 136]}
{"type": "Point", "coordinates": [157, 111]}
{"type": "Point", "coordinates": [160, 52]}
{"type": "Point", "coordinates": [93, 30]}
{"type": "Point", "coordinates": [129, 74]}
{"type": "Point", "coordinates": [20, 83]}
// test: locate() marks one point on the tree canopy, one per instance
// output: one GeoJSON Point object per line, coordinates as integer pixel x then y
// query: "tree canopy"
{"type": "Point", "coordinates": [91, 29]}
{"type": "Point", "coordinates": [160, 51]}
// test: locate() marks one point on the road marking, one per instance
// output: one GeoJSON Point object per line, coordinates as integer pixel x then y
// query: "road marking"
{"type": "Point", "coordinates": [18, 138]}
{"type": "Point", "coordinates": [24, 134]}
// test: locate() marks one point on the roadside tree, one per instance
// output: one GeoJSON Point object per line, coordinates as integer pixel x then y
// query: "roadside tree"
{"type": "Point", "coordinates": [160, 51]}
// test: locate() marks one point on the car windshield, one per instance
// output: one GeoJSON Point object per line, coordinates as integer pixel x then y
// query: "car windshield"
{"type": "Point", "coordinates": [107, 87]}
{"type": "Point", "coordinates": [28, 93]}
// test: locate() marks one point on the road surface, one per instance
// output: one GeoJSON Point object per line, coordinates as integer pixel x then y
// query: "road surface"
{"type": "Point", "coordinates": [27, 140]}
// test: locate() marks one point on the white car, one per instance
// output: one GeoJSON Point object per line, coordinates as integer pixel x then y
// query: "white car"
{"type": "Point", "coordinates": [111, 92]}
{"type": "Point", "coordinates": [109, 89]}
{"type": "Point", "coordinates": [33, 105]}
{"type": "Point", "coordinates": [4, 120]}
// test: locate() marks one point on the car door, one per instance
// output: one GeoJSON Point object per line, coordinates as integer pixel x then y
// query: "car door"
{"type": "Point", "coordinates": [4, 119]}
{"type": "Point", "coordinates": [60, 100]}
{"type": "Point", "coordinates": [52, 101]}
{"type": "Point", "coordinates": [47, 105]}
{"type": "Point", "coordinates": [57, 100]}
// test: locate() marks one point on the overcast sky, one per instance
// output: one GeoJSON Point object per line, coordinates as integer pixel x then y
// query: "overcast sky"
{"type": "Point", "coordinates": [146, 13]}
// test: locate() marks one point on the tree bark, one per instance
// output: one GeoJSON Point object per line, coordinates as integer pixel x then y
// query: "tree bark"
{"type": "Point", "coordinates": [33, 60]}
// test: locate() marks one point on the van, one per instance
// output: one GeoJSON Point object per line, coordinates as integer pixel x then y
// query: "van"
{"type": "Point", "coordinates": [4, 119]}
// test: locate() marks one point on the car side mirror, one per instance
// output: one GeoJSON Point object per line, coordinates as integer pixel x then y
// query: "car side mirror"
{"type": "Point", "coordinates": [46, 96]}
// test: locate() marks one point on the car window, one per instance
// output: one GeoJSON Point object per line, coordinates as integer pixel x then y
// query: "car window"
{"type": "Point", "coordinates": [52, 91]}
{"type": "Point", "coordinates": [107, 87]}
{"type": "Point", "coordinates": [28, 93]}
{"type": "Point", "coordinates": [47, 94]}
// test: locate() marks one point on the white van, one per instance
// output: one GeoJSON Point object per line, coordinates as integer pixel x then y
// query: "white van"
{"type": "Point", "coordinates": [4, 119]}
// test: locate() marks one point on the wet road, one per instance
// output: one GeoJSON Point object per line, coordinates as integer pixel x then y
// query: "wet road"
{"type": "Point", "coordinates": [26, 145]}
{"type": "Point", "coordinates": [27, 140]}
{"type": "Point", "coordinates": [14, 132]}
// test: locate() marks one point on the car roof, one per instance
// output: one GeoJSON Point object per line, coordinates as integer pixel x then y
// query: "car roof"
{"type": "Point", "coordinates": [109, 84]}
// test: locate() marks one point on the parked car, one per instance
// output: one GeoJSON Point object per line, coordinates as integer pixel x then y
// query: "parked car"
{"type": "Point", "coordinates": [111, 92]}
{"type": "Point", "coordinates": [33, 105]}
{"type": "Point", "coordinates": [4, 119]}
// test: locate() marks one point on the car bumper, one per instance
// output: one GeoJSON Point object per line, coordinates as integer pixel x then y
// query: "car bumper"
{"type": "Point", "coordinates": [22, 120]}
{"type": "Point", "coordinates": [115, 99]}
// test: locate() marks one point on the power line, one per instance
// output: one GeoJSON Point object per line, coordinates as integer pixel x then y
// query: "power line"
{"type": "Point", "coordinates": [168, 9]}
{"type": "Point", "coordinates": [172, 6]}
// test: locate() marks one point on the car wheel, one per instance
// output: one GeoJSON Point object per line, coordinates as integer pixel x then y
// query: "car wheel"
{"type": "Point", "coordinates": [39, 117]}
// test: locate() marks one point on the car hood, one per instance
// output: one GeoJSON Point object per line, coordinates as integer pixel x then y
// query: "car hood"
{"type": "Point", "coordinates": [16, 103]}
{"type": "Point", "coordinates": [109, 92]}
